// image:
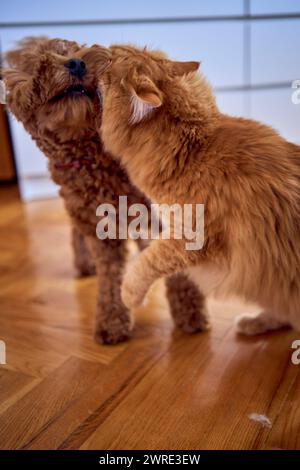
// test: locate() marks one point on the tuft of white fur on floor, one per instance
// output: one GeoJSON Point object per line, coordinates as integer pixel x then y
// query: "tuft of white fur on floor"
{"type": "Point", "coordinates": [262, 419]}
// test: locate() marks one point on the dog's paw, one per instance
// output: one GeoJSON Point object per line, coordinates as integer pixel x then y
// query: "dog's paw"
{"type": "Point", "coordinates": [114, 330]}
{"type": "Point", "coordinates": [107, 336]}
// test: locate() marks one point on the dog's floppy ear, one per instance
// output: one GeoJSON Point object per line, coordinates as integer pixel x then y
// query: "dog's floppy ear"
{"type": "Point", "coordinates": [19, 91]}
{"type": "Point", "coordinates": [24, 48]}
{"type": "Point", "coordinates": [145, 97]}
{"type": "Point", "coordinates": [182, 68]}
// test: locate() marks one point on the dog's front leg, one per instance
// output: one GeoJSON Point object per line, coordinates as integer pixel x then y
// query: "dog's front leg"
{"type": "Point", "coordinates": [113, 321]}
{"type": "Point", "coordinates": [83, 259]}
{"type": "Point", "coordinates": [187, 304]}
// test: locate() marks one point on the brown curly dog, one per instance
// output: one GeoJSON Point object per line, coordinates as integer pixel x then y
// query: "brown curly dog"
{"type": "Point", "coordinates": [52, 87]}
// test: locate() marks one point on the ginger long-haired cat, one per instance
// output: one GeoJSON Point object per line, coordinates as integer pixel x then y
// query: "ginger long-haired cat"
{"type": "Point", "coordinates": [160, 117]}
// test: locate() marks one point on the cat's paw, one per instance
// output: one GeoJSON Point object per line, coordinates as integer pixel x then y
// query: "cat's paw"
{"type": "Point", "coordinates": [247, 324]}
{"type": "Point", "coordinates": [257, 324]}
{"type": "Point", "coordinates": [131, 294]}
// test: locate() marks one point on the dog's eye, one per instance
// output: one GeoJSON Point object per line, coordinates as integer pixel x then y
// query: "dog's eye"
{"type": "Point", "coordinates": [61, 49]}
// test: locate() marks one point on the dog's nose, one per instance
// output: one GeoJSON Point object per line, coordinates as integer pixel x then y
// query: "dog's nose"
{"type": "Point", "coordinates": [76, 67]}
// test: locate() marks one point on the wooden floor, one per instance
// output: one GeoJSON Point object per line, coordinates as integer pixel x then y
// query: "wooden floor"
{"type": "Point", "coordinates": [162, 390]}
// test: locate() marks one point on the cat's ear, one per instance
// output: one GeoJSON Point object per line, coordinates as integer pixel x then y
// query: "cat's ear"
{"type": "Point", "coordinates": [182, 68]}
{"type": "Point", "coordinates": [144, 97]}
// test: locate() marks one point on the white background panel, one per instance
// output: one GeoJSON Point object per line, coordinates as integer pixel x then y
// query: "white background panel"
{"type": "Point", "coordinates": [275, 50]}
{"type": "Point", "coordinates": [233, 103]}
{"type": "Point", "coordinates": [201, 41]}
{"type": "Point", "coordinates": [29, 159]}
{"type": "Point", "coordinates": [33, 188]}
{"type": "Point", "coordinates": [275, 107]}
{"type": "Point", "coordinates": [274, 6]}
{"type": "Point", "coordinates": [35, 10]}
{"type": "Point", "coordinates": [218, 45]}
{"type": "Point", "coordinates": [31, 163]}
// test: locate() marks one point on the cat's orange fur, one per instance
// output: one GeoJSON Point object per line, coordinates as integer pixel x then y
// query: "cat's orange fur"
{"type": "Point", "coordinates": [160, 117]}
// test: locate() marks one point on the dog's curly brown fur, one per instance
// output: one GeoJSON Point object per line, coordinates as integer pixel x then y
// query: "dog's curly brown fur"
{"type": "Point", "coordinates": [63, 126]}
